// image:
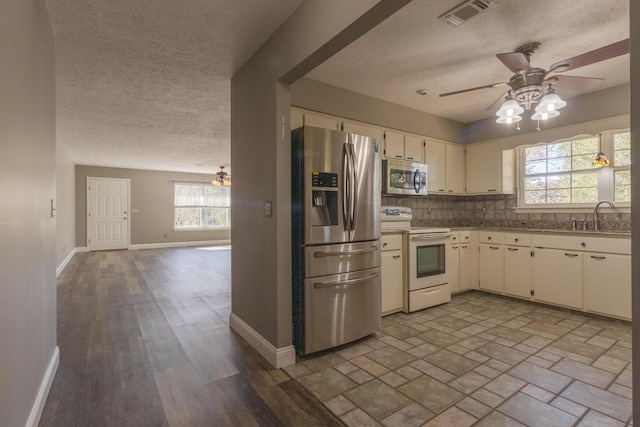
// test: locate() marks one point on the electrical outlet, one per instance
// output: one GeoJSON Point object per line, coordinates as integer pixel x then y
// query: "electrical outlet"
{"type": "Point", "coordinates": [268, 213]}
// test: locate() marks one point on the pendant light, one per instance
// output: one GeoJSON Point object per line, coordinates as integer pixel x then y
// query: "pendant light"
{"type": "Point", "coordinates": [222, 178]}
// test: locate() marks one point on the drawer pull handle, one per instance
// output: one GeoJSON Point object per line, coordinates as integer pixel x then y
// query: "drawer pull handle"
{"type": "Point", "coordinates": [512, 249]}
{"type": "Point", "coordinates": [465, 247]}
{"type": "Point", "coordinates": [571, 255]}
{"type": "Point", "coordinates": [599, 258]}
{"type": "Point", "coordinates": [396, 257]}
{"type": "Point", "coordinates": [494, 248]}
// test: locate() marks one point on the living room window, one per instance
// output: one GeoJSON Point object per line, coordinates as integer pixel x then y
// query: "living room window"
{"type": "Point", "coordinates": [563, 173]}
{"type": "Point", "coordinates": [201, 206]}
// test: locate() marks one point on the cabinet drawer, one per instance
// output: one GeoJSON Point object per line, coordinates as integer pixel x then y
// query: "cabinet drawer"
{"type": "Point", "coordinates": [492, 237]}
{"type": "Point", "coordinates": [455, 237]}
{"type": "Point", "coordinates": [517, 239]}
{"type": "Point", "coordinates": [584, 243]}
{"type": "Point", "coordinates": [428, 297]}
{"type": "Point", "coordinates": [465, 236]}
{"type": "Point", "coordinates": [391, 242]}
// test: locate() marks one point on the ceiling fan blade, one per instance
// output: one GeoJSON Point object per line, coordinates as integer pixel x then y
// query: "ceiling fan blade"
{"type": "Point", "coordinates": [601, 54]}
{"type": "Point", "coordinates": [515, 61]}
{"type": "Point", "coordinates": [474, 88]}
{"type": "Point", "coordinates": [500, 98]}
{"type": "Point", "coordinates": [574, 82]}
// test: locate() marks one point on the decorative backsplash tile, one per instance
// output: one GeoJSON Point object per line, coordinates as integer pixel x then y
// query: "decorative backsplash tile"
{"type": "Point", "coordinates": [496, 210]}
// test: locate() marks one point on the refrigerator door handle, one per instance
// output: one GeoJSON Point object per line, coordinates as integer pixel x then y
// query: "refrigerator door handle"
{"type": "Point", "coordinates": [342, 253]}
{"type": "Point", "coordinates": [345, 188]}
{"type": "Point", "coordinates": [335, 284]}
{"type": "Point", "coordinates": [354, 192]}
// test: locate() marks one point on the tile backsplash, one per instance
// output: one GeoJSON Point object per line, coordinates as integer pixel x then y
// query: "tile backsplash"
{"type": "Point", "coordinates": [495, 210]}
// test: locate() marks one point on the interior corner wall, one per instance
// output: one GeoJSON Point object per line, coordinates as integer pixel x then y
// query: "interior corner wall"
{"type": "Point", "coordinates": [27, 230]}
{"type": "Point", "coordinates": [635, 200]}
{"type": "Point", "coordinates": [260, 154]}
{"type": "Point", "coordinates": [65, 204]}
{"type": "Point", "coordinates": [152, 194]}
{"type": "Point", "coordinates": [324, 98]}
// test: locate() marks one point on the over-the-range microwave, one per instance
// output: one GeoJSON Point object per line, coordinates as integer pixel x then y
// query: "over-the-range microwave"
{"type": "Point", "coordinates": [404, 177]}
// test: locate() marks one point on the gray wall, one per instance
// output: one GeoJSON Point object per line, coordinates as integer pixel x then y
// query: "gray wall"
{"type": "Point", "coordinates": [260, 153]}
{"type": "Point", "coordinates": [152, 194]}
{"type": "Point", "coordinates": [27, 184]}
{"type": "Point", "coordinates": [317, 96]}
{"type": "Point", "coordinates": [65, 204]}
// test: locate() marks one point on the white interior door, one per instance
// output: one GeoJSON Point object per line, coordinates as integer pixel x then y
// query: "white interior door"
{"type": "Point", "coordinates": [107, 213]}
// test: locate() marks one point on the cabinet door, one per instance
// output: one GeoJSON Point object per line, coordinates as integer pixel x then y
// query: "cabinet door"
{"type": "Point", "coordinates": [517, 271]}
{"type": "Point", "coordinates": [363, 129]}
{"type": "Point", "coordinates": [557, 277]}
{"type": "Point", "coordinates": [393, 145]}
{"type": "Point", "coordinates": [321, 121]}
{"type": "Point", "coordinates": [455, 169]}
{"type": "Point", "coordinates": [468, 268]}
{"type": "Point", "coordinates": [607, 280]}
{"type": "Point", "coordinates": [435, 158]}
{"type": "Point", "coordinates": [483, 168]}
{"type": "Point", "coordinates": [391, 284]}
{"type": "Point", "coordinates": [453, 267]}
{"type": "Point", "coordinates": [413, 148]}
{"type": "Point", "coordinates": [491, 267]}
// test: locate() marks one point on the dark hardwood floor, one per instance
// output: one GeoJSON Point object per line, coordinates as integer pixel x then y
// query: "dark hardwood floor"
{"type": "Point", "coordinates": [144, 341]}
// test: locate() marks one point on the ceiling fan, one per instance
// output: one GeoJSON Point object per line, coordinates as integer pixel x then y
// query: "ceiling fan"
{"type": "Point", "coordinates": [529, 85]}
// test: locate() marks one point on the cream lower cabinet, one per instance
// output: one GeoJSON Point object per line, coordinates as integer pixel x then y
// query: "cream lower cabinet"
{"type": "Point", "coordinates": [453, 262]}
{"type": "Point", "coordinates": [391, 272]}
{"type": "Point", "coordinates": [491, 261]}
{"type": "Point", "coordinates": [607, 284]}
{"type": "Point", "coordinates": [517, 265]}
{"type": "Point", "coordinates": [557, 277]}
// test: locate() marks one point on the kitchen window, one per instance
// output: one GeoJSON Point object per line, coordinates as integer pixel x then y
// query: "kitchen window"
{"type": "Point", "coordinates": [562, 173]}
{"type": "Point", "coordinates": [200, 206]}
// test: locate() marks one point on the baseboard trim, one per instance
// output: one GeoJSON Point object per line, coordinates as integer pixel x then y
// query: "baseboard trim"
{"type": "Point", "coordinates": [277, 357]}
{"type": "Point", "coordinates": [65, 261]}
{"type": "Point", "coordinates": [43, 392]}
{"type": "Point", "coordinates": [179, 244]}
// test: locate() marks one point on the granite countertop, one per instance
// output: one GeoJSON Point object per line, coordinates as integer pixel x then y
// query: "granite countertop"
{"type": "Point", "coordinates": [603, 233]}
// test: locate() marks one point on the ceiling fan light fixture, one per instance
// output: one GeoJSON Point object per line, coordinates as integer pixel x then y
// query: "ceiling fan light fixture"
{"type": "Point", "coordinates": [550, 102]}
{"type": "Point", "coordinates": [509, 108]}
{"type": "Point", "coordinates": [222, 178]}
{"type": "Point", "coordinates": [509, 119]}
{"type": "Point", "coordinates": [545, 115]}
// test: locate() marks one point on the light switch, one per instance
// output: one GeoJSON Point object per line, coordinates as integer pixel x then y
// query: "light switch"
{"type": "Point", "coordinates": [267, 209]}
{"type": "Point", "coordinates": [134, 210]}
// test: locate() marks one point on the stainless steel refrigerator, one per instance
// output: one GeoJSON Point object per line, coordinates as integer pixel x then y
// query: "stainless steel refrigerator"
{"type": "Point", "coordinates": [335, 237]}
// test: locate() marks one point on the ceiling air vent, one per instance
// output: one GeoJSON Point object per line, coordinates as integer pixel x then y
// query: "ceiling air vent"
{"type": "Point", "coordinates": [467, 10]}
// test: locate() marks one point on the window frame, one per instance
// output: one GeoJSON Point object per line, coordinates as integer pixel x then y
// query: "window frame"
{"type": "Point", "coordinates": [606, 190]}
{"type": "Point", "coordinates": [201, 207]}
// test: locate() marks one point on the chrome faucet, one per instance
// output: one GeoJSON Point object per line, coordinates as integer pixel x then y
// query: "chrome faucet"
{"type": "Point", "coordinates": [595, 213]}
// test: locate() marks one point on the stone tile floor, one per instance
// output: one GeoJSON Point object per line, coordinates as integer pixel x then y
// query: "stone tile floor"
{"type": "Point", "coordinates": [481, 360]}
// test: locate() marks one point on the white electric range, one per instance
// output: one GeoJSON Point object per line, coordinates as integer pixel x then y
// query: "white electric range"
{"type": "Point", "coordinates": [425, 250]}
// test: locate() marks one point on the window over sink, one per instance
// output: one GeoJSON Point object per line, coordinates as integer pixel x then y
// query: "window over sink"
{"type": "Point", "coordinates": [564, 173]}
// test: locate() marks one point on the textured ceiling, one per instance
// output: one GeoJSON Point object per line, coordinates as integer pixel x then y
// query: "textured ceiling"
{"type": "Point", "coordinates": [146, 83]}
{"type": "Point", "coordinates": [414, 50]}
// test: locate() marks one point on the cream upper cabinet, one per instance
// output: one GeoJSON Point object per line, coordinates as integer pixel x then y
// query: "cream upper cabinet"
{"type": "Point", "coordinates": [455, 169]}
{"type": "Point", "coordinates": [398, 145]}
{"type": "Point", "coordinates": [297, 118]}
{"type": "Point", "coordinates": [320, 120]}
{"type": "Point", "coordinates": [362, 129]}
{"type": "Point", "coordinates": [413, 148]}
{"type": "Point", "coordinates": [489, 169]}
{"type": "Point", "coordinates": [446, 171]}
{"type": "Point", "coordinates": [435, 158]}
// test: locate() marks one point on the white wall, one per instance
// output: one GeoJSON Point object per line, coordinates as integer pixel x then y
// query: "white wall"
{"type": "Point", "coordinates": [27, 232]}
{"type": "Point", "coordinates": [65, 204]}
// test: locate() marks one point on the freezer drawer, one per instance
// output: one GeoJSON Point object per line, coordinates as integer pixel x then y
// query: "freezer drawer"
{"type": "Point", "coordinates": [336, 259]}
{"type": "Point", "coordinates": [341, 308]}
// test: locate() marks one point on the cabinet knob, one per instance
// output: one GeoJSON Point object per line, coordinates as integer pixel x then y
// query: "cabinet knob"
{"type": "Point", "coordinates": [583, 244]}
{"type": "Point", "coordinates": [489, 238]}
{"type": "Point", "coordinates": [516, 240]}
{"type": "Point", "coordinates": [384, 244]}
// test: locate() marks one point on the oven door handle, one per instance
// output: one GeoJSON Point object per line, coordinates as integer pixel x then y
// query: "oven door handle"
{"type": "Point", "coordinates": [341, 253]}
{"type": "Point", "coordinates": [336, 283]}
{"type": "Point", "coordinates": [434, 237]}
